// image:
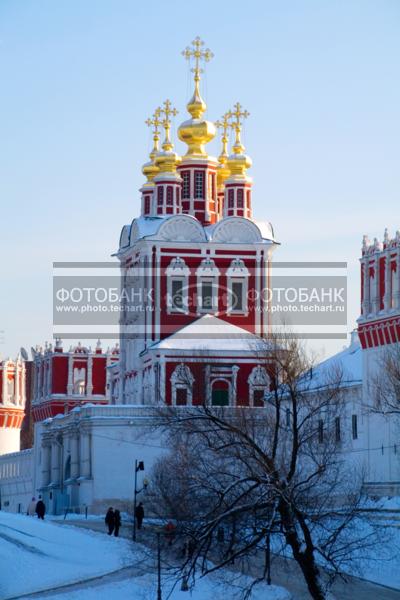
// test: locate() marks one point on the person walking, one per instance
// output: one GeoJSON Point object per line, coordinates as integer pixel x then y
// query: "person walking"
{"type": "Point", "coordinates": [110, 520]}
{"type": "Point", "coordinates": [117, 522]}
{"type": "Point", "coordinates": [139, 515]}
{"type": "Point", "coordinates": [31, 511]}
{"type": "Point", "coordinates": [40, 509]}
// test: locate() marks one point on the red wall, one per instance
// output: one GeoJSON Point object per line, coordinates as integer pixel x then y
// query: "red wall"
{"type": "Point", "coordinates": [59, 374]}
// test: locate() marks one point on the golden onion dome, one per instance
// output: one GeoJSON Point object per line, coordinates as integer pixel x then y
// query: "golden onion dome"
{"type": "Point", "coordinates": [167, 160]}
{"type": "Point", "coordinates": [238, 162]}
{"type": "Point", "coordinates": [196, 132]}
{"type": "Point", "coordinates": [150, 169]}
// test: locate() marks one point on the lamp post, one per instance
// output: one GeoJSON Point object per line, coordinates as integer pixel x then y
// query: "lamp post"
{"type": "Point", "coordinates": [268, 544]}
{"type": "Point", "coordinates": [139, 466]}
{"type": "Point", "coordinates": [159, 566]}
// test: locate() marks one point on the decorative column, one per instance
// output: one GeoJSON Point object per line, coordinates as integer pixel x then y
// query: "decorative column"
{"type": "Point", "coordinates": [366, 298]}
{"type": "Point", "coordinates": [235, 370]}
{"type": "Point", "coordinates": [85, 466]}
{"type": "Point", "coordinates": [23, 386]}
{"type": "Point", "coordinates": [55, 462]}
{"type": "Point", "coordinates": [388, 282]}
{"type": "Point", "coordinates": [70, 385]}
{"type": "Point", "coordinates": [40, 391]}
{"type": "Point", "coordinates": [46, 463]}
{"type": "Point", "coordinates": [376, 296]}
{"type": "Point", "coordinates": [396, 295]}
{"type": "Point", "coordinates": [17, 388]}
{"type": "Point", "coordinates": [74, 455]}
{"type": "Point", "coordinates": [89, 386]}
{"type": "Point", "coordinates": [5, 379]}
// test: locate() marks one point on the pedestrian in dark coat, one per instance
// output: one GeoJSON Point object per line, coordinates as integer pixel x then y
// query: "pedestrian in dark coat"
{"type": "Point", "coordinates": [117, 524]}
{"type": "Point", "coordinates": [139, 514]}
{"type": "Point", "coordinates": [40, 509]}
{"type": "Point", "coordinates": [110, 520]}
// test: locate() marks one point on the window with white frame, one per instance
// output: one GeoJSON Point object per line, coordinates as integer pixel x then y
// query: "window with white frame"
{"type": "Point", "coordinates": [182, 385]}
{"type": "Point", "coordinates": [259, 384]}
{"type": "Point", "coordinates": [199, 184]}
{"type": "Point", "coordinates": [177, 286]}
{"type": "Point", "coordinates": [237, 279]}
{"type": "Point", "coordinates": [185, 184]}
{"type": "Point", "coordinates": [207, 286]}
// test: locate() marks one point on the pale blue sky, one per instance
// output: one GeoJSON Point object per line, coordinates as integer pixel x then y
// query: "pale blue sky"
{"type": "Point", "coordinates": [78, 79]}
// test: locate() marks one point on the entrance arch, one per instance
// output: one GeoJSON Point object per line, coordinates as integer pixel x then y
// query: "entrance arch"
{"type": "Point", "coordinates": [220, 393]}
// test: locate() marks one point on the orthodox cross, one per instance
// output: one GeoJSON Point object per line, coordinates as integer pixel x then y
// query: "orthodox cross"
{"type": "Point", "coordinates": [198, 54]}
{"type": "Point", "coordinates": [167, 110]}
{"type": "Point", "coordinates": [237, 116]}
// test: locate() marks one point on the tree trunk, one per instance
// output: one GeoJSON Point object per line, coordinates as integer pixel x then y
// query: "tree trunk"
{"type": "Point", "coordinates": [304, 558]}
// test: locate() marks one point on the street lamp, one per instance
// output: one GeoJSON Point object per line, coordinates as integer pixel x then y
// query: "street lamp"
{"type": "Point", "coordinates": [139, 466]}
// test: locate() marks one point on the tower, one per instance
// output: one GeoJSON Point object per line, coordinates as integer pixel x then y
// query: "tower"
{"type": "Point", "coordinates": [194, 266]}
{"type": "Point", "coordinates": [379, 322]}
{"type": "Point", "coordinates": [197, 169]}
{"type": "Point", "coordinates": [12, 403]}
{"type": "Point", "coordinates": [65, 379]}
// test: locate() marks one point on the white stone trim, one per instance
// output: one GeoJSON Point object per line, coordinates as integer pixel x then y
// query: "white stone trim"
{"type": "Point", "coordinates": [182, 378]}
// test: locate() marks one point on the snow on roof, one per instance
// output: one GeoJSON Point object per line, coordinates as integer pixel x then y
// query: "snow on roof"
{"type": "Point", "coordinates": [143, 227]}
{"type": "Point", "coordinates": [211, 334]}
{"type": "Point", "coordinates": [348, 363]}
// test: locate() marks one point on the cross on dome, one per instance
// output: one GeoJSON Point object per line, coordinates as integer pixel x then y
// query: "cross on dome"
{"type": "Point", "coordinates": [198, 54]}
{"type": "Point", "coordinates": [167, 111]}
{"type": "Point", "coordinates": [237, 116]}
{"type": "Point", "coordinates": [224, 125]}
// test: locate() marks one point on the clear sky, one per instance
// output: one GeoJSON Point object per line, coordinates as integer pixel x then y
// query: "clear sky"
{"type": "Point", "coordinates": [320, 78]}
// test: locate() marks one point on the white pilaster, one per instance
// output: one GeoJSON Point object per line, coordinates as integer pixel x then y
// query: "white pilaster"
{"type": "Point", "coordinates": [85, 462]}
{"type": "Point", "coordinates": [366, 285]}
{"type": "Point", "coordinates": [89, 387]}
{"type": "Point", "coordinates": [70, 385]}
{"type": "Point", "coordinates": [55, 462]}
{"type": "Point", "coordinates": [74, 455]}
{"type": "Point", "coordinates": [5, 390]}
{"type": "Point", "coordinates": [388, 282]}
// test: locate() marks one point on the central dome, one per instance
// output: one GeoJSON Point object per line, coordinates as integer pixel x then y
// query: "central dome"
{"type": "Point", "coordinates": [196, 133]}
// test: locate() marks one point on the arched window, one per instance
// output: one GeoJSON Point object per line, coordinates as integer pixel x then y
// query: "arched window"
{"type": "Point", "coordinates": [220, 392]}
{"type": "Point", "coordinates": [230, 199]}
{"type": "Point", "coordinates": [147, 205]}
{"type": "Point", "coordinates": [240, 201]}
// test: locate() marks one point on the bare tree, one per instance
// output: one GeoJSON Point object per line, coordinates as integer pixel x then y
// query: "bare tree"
{"type": "Point", "coordinates": [236, 475]}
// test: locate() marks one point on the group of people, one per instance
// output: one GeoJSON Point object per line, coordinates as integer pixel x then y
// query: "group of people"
{"type": "Point", "coordinates": [36, 508]}
{"type": "Point", "coordinates": [113, 521]}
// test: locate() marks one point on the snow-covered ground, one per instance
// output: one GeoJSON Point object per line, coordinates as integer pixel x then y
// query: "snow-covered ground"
{"type": "Point", "coordinates": [145, 588]}
{"type": "Point", "coordinates": [36, 556]}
